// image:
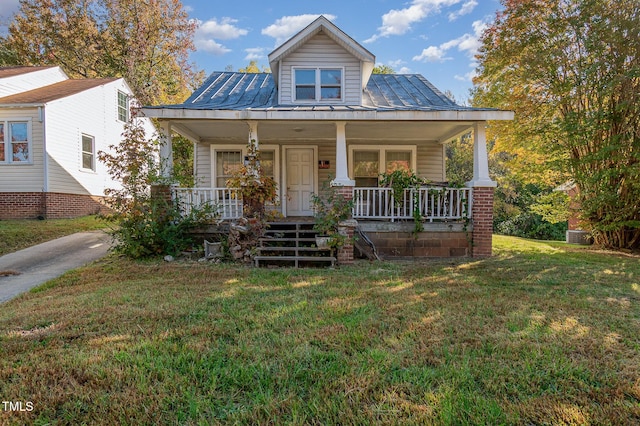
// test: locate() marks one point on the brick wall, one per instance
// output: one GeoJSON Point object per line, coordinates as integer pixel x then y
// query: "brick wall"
{"type": "Point", "coordinates": [347, 228]}
{"type": "Point", "coordinates": [48, 205]}
{"type": "Point", "coordinates": [482, 212]}
{"type": "Point", "coordinates": [423, 244]}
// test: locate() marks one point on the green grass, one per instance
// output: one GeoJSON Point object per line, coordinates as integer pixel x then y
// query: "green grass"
{"type": "Point", "coordinates": [542, 333]}
{"type": "Point", "coordinates": [19, 234]}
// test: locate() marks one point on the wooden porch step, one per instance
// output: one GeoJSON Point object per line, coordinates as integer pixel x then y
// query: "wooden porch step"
{"type": "Point", "coordinates": [291, 242]}
{"type": "Point", "coordinates": [295, 259]}
{"type": "Point", "coordinates": [309, 249]}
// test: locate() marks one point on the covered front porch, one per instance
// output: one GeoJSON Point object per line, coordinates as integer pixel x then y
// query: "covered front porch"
{"type": "Point", "coordinates": [302, 155]}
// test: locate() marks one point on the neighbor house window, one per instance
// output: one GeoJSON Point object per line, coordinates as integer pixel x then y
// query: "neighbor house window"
{"type": "Point", "coordinates": [15, 146]}
{"type": "Point", "coordinates": [88, 153]}
{"type": "Point", "coordinates": [369, 162]}
{"type": "Point", "coordinates": [318, 84]}
{"type": "Point", "coordinates": [123, 106]}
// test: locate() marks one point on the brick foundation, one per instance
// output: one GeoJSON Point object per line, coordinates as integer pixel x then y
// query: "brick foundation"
{"type": "Point", "coordinates": [347, 228]}
{"type": "Point", "coordinates": [394, 243]}
{"type": "Point", "coordinates": [482, 212]}
{"type": "Point", "coordinates": [49, 205]}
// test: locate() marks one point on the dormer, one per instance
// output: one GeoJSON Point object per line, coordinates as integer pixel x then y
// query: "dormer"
{"type": "Point", "coordinates": [321, 65]}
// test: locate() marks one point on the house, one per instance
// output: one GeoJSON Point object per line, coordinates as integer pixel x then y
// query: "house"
{"type": "Point", "coordinates": [321, 116]}
{"type": "Point", "coordinates": [51, 129]}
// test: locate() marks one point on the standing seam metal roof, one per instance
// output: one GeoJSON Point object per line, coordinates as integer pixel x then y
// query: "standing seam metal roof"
{"type": "Point", "coordinates": [236, 91]}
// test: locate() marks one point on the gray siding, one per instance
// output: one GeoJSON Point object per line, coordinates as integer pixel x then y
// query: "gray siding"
{"type": "Point", "coordinates": [321, 51]}
{"type": "Point", "coordinates": [430, 162]}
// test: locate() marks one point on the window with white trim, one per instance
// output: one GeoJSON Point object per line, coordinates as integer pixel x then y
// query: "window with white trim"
{"type": "Point", "coordinates": [318, 84]}
{"type": "Point", "coordinates": [15, 143]}
{"type": "Point", "coordinates": [123, 106]}
{"type": "Point", "coordinates": [228, 161]}
{"type": "Point", "coordinates": [367, 163]}
{"type": "Point", "coordinates": [88, 152]}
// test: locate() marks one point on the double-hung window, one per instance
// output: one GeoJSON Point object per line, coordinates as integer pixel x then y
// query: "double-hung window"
{"type": "Point", "coordinates": [88, 153]}
{"type": "Point", "coordinates": [15, 146]}
{"type": "Point", "coordinates": [228, 161]}
{"type": "Point", "coordinates": [318, 84]}
{"type": "Point", "coordinates": [369, 162]}
{"type": "Point", "coordinates": [123, 106]}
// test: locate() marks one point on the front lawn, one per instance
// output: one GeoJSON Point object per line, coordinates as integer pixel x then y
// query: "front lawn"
{"type": "Point", "coordinates": [542, 333]}
{"type": "Point", "coordinates": [19, 234]}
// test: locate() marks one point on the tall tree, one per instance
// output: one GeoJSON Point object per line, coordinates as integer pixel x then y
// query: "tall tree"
{"type": "Point", "coordinates": [383, 69]}
{"type": "Point", "coordinates": [570, 69]}
{"type": "Point", "coordinates": [253, 68]}
{"type": "Point", "coordinates": [147, 42]}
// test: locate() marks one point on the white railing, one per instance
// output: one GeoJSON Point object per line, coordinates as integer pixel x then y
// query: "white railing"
{"type": "Point", "coordinates": [226, 201]}
{"type": "Point", "coordinates": [435, 203]}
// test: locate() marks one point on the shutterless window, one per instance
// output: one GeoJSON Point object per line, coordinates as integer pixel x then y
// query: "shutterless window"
{"type": "Point", "coordinates": [88, 153]}
{"type": "Point", "coordinates": [19, 142]}
{"type": "Point", "coordinates": [318, 84]}
{"type": "Point", "coordinates": [366, 167]}
{"type": "Point", "coordinates": [123, 106]}
{"type": "Point", "coordinates": [227, 162]}
{"type": "Point", "coordinates": [268, 163]}
{"type": "Point", "coordinates": [397, 160]}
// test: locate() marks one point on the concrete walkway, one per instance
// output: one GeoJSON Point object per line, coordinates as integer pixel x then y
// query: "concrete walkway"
{"type": "Point", "coordinates": [39, 264]}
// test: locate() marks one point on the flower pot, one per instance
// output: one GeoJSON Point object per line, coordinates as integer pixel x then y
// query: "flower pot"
{"type": "Point", "coordinates": [322, 242]}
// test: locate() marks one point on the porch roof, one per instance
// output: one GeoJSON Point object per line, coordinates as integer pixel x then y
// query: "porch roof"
{"type": "Point", "coordinates": [393, 96]}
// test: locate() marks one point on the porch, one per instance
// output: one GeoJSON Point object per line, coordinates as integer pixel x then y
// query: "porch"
{"type": "Point", "coordinates": [429, 203]}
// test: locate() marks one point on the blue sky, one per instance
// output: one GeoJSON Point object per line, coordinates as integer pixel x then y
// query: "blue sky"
{"type": "Point", "coordinates": [435, 38]}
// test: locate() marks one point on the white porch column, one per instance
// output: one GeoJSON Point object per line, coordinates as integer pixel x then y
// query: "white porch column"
{"type": "Point", "coordinates": [342, 172]}
{"type": "Point", "coordinates": [253, 133]}
{"type": "Point", "coordinates": [480, 159]}
{"type": "Point", "coordinates": [166, 150]}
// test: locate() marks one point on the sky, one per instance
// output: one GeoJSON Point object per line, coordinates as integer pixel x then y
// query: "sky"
{"type": "Point", "coordinates": [435, 38]}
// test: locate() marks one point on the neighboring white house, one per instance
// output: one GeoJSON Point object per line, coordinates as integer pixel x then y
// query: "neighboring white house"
{"type": "Point", "coordinates": [51, 129]}
{"type": "Point", "coordinates": [321, 116]}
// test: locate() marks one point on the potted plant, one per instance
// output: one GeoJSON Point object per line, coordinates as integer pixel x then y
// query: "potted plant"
{"type": "Point", "coordinates": [330, 208]}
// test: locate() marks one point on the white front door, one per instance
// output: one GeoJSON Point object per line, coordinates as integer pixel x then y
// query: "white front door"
{"type": "Point", "coordinates": [300, 181]}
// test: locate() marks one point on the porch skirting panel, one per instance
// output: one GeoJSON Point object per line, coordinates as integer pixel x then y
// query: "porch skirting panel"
{"type": "Point", "coordinates": [397, 240]}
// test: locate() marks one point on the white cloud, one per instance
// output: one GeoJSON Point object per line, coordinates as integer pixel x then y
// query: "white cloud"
{"type": "Point", "coordinates": [399, 21]}
{"type": "Point", "coordinates": [432, 54]}
{"type": "Point", "coordinates": [254, 53]}
{"type": "Point", "coordinates": [287, 26]}
{"type": "Point", "coordinates": [209, 32]}
{"type": "Point", "coordinates": [211, 46]}
{"type": "Point", "coordinates": [404, 70]}
{"type": "Point", "coordinates": [467, 43]}
{"type": "Point", "coordinates": [466, 9]}
{"type": "Point", "coordinates": [223, 30]}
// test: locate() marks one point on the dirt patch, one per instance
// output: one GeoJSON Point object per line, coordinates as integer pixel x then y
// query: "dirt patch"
{"type": "Point", "coordinates": [8, 273]}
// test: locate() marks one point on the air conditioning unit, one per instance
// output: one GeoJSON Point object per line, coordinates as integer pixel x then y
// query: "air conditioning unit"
{"type": "Point", "coordinates": [578, 237]}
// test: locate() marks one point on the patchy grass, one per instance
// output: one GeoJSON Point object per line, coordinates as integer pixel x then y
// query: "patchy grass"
{"type": "Point", "coordinates": [18, 234]}
{"type": "Point", "coordinates": [540, 334]}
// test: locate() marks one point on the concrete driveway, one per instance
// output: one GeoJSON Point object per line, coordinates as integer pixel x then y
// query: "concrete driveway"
{"type": "Point", "coordinates": [39, 264]}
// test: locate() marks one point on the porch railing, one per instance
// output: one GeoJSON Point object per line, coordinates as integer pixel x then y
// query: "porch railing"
{"type": "Point", "coordinates": [434, 203]}
{"type": "Point", "coordinates": [226, 201]}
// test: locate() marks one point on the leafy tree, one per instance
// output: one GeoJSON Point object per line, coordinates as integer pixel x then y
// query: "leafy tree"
{"type": "Point", "coordinates": [147, 43]}
{"type": "Point", "coordinates": [145, 224]}
{"type": "Point", "coordinates": [383, 69]}
{"type": "Point", "coordinates": [253, 68]}
{"type": "Point", "coordinates": [570, 70]}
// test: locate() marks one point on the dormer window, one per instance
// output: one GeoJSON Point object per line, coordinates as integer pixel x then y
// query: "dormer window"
{"type": "Point", "coordinates": [318, 84]}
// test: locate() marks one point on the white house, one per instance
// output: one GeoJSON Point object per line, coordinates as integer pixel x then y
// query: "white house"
{"type": "Point", "coordinates": [51, 129]}
{"type": "Point", "coordinates": [321, 116]}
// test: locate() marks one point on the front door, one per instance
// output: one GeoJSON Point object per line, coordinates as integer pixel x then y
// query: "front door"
{"type": "Point", "coordinates": [300, 181]}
